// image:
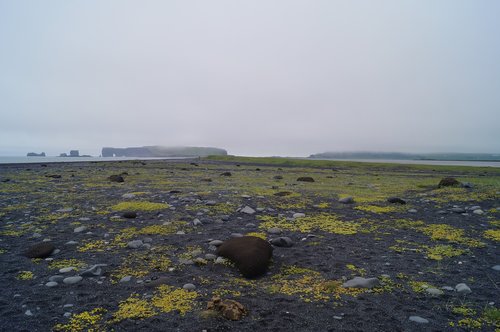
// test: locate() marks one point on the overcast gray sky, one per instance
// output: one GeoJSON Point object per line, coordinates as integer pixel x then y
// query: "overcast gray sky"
{"type": "Point", "coordinates": [255, 77]}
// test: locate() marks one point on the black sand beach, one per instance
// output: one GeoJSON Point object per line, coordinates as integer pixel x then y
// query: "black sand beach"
{"type": "Point", "coordinates": [158, 271]}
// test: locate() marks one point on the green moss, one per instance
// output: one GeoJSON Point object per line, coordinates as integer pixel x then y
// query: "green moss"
{"type": "Point", "coordinates": [93, 245]}
{"type": "Point", "coordinates": [492, 234]}
{"type": "Point", "coordinates": [25, 275]}
{"type": "Point", "coordinates": [443, 251]}
{"type": "Point", "coordinates": [261, 235]}
{"type": "Point", "coordinates": [463, 310]}
{"type": "Point", "coordinates": [378, 209]}
{"type": "Point", "coordinates": [449, 233]}
{"type": "Point", "coordinates": [325, 222]}
{"type": "Point", "coordinates": [61, 263]}
{"type": "Point", "coordinates": [169, 299]}
{"type": "Point", "coordinates": [84, 321]}
{"type": "Point", "coordinates": [139, 206]}
{"type": "Point", "coordinates": [133, 308]}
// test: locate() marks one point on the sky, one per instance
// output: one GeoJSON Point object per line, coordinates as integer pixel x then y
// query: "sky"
{"type": "Point", "coordinates": [281, 77]}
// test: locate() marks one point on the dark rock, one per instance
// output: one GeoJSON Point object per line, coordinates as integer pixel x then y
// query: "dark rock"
{"type": "Point", "coordinates": [283, 193]}
{"type": "Point", "coordinates": [40, 250]}
{"type": "Point", "coordinates": [174, 192]}
{"type": "Point", "coordinates": [226, 174]}
{"type": "Point", "coordinates": [250, 254]}
{"type": "Point", "coordinates": [448, 182]}
{"type": "Point", "coordinates": [396, 200]}
{"type": "Point", "coordinates": [129, 214]}
{"type": "Point", "coordinates": [54, 176]}
{"type": "Point", "coordinates": [257, 169]}
{"type": "Point", "coordinates": [282, 242]}
{"type": "Point", "coordinates": [305, 179]}
{"type": "Point", "coordinates": [116, 178]}
{"type": "Point", "coordinates": [194, 164]}
{"type": "Point", "coordinates": [206, 180]}
{"type": "Point", "coordinates": [346, 200]}
{"type": "Point", "coordinates": [278, 177]}
{"type": "Point", "coordinates": [5, 180]}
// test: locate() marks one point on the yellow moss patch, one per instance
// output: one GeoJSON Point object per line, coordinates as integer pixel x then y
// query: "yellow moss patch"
{"type": "Point", "coordinates": [323, 205]}
{"type": "Point", "coordinates": [261, 235]}
{"type": "Point", "coordinates": [60, 263]}
{"type": "Point", "coordinates": [449, 233]}
{"type": "Point", "coordinates": [357, 270]}
{"type": "Point", "coordinates": [168, 299]}
{"type": "Point", "coordinates": [139, 206]}
{"type": "Point", "coordinates": [378, 209]}
{"type": "Point", "coordinates": [133, 308]}
{"type": "Point", "coordinates": [443, 251]}
{"type": "Point", "coordinates": [25, 275]}
{"type": "Point", "coordinates": [141, 264]}
{"type": "Point", "coordinates": [492, 234]}
{"type": "Point", "coordinates": [419, 286]}
{"type": "Point", "coordinates": [96, 245]}
{"type": "Point", "coordinates": [464, 311]}
{"type": "Point", "coordinates": [325, 222]}
{"type": "Point", "coordinates": [84, 321]}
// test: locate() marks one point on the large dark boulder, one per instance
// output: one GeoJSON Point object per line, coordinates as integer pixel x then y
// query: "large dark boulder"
{"type": "Point", "coordinates": [250, 254]}
{"type": "Point", "coordinates": [39, 250]}
{"type": "Point", "coordinates": [305, 179]}
{"type": "Point", "coordinates": [448, 182]}
{"type": "Point", "coordinates": [396, 200]}
{"type": "Point", "coordinates": [116, 178]}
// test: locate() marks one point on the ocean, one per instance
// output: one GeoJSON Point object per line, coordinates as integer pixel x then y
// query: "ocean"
{"type": "Point", "coordinates": [28, 160]}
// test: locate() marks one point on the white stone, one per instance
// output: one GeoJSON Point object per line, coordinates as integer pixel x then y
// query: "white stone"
{"type": "Point", "coordinates": [418, 319]}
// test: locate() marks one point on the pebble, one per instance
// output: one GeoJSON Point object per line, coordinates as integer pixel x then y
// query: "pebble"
{"type": "Point", "coordinates": [180, 233]}
{"type": "Point", "coordinates": [220, 260]}
{"type": "Point", "coordinates": [51, 284]}
{"type": "Point", "coordinates": [250, 225]}
{"type": "Point", "coordinates": [274, 230]}
{"type": "Point", "coordinates": [56, 278]}
{"type": "Point", "coordinates": [71, 243]}
{"type": "Point", "coordinates": [360, 282]}
{"type": "Point", "coordinates": [67, 314]}
{"type": "Point", "coordinates": [147, 240]}
{"type": "Point", "coordinates": [210, 257]}
{"type": "Point", "coordinates": [247, 210]}
{"type": "Point", "coordinates": [210, 203]}
{"type": "Point", "coordinates": [412, 211]}
{"type": "Point", "coordinates": [197, 222]}
{"type": "Point", "coordinates": [347, 200]}
{"type": "Point", "coordinates": [418, 319]}
{"type": "Point", "coordinates": [463, 288]}
{"type": "Point", "coordinates": [28, 313]}
{"type": "Point", "coordinates": [215, 243]}
{"type": "Point", "coordinates": [72, 280]}
{"type": "Point", "coordinates": [65, 210]}
{"type": "Point", "coordinates": [478, 211]}
{"type": "Point", "coordinates": [79, 229]}
{"type": "Point", "coordinates": [299, 215]}
{"type": "Point", "coordinates": [135, 244]}
{"type": "Point", "coordinates": [458, 210]}
{"type": "Point", "coordinates": [128, 196]}
{"type": "Point", "coordinates": [496, 267]}
{"type": "Point", "coordinates": [67, 269]}
{"type": "Point", "coordinates": [190, 287]}
{"type": "Point", "coordinates": [126, 279]}
{"type": "Point", "coordinates": [236, 235]}
{"type": "Point", "coordinates": [434, 291]}
{"type": "Point", "coordinates": [448, 288]}
{"type": "Point", "coordinates": [282, 241]}
{"type": "Point", "coordinates": [94, 270]}
{"type": "Point", "coordinates": [337, 317]}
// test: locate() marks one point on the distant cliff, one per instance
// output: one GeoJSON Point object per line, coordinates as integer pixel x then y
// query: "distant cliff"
{"type": "Point", "coordinates": [162, 151]}
{"type": "Point", "coordinates": [408, 156]}
{"type": "Point", "coordinates": [34, 154]}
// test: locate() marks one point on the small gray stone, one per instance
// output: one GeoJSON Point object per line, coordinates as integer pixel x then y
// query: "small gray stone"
{"type": "Point", "coordinates": [220, 260]}
{"type": "Point", "coordinates": [247, 210]}
{"type": "Point", "coordinates": [210, 203]}
{"type": "Point", "coordinates": [496, 267]}
{"type": "Point", "coordinates": [215, 243]}
{"type": "Point", "coordinates": [72, 280]}
{"type": "Point", "coordinates": [236, 235]}
{"type": "Point", "coordinates": [210, 257]}
{"type": "Point", "coordinates": [298, 215]}
{"type": "Point", "coordinates": [360, 282]}
{"type": "Point", "coordinates": [475, 207]}
{"type": "Point", "coordinates": [135, 244]}
{"type": "Point", "coordinates": [67, 314]}
{"type": "Point", "coordinates": [463, 288]}
{"type": "Point", "coordinates": [56, 278]}
{"type": "Point", "coordinates": [184, 261]}
{"type": "Point", "coordinates": [448, 288]}
{"type": "Point", "coordinates": [190, 287]}
{"type": "Point", "coordinates": [412, 211]}
{"type": "Point", "coordinates": [67, 269]}
{"type": "Point", "coordinates": [457, 210]}
{"type": "Point", "coordinates": [250, 225]}
{"type": "Point", "coordinates": [126, 279]}
{"type": "Point", "coordinates": [478, 211]}
{"type": "Point", "coordinates": [224, 218]}
{"type": "Point", "coordinates": [79, 229]}
{"type": "Point", "coordinates": [282, 241]}
{"type": "Point", "coordinates": [347, 200]}
{"type": "Point", "coordinates": [274, 230]}
{"type": "Point", "coordinates": [65, 210]}
{"type": "Point", "coordinates": [180, 233]}
{"type": "Point", "coordinates": [197, 222]}
{"type": "Point", "coordinates": [28, 313]}
{"type": "Point", "coordinates": [434, 291]}
{"type": "Point", "coordinates": [128, 196]}
{"type": "Point", "coordinates": [418, 320]}
{"type": "Point", "coordinates": [94, 270]}
{"type": "Point", "coordinates": [337, 317]}
{"type": "Point", "coordinates": [51, 284]}
{"type": "Point", "coordinates": [147, 240]}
